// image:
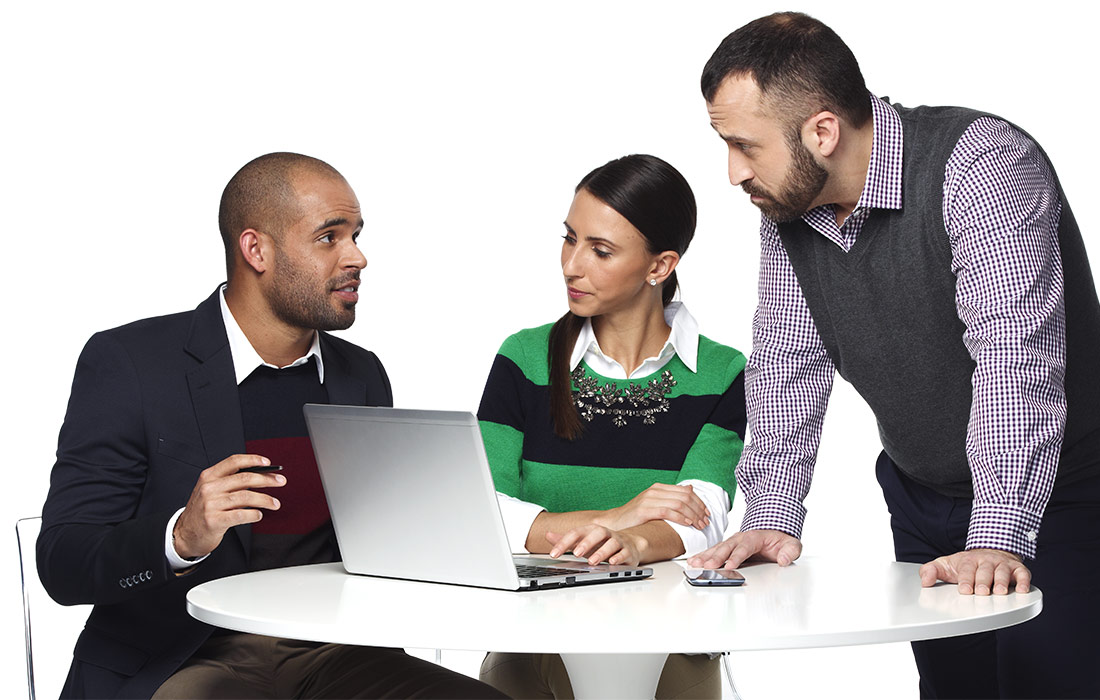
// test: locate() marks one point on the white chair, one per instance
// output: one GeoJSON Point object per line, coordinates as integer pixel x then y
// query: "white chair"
{"type": "Point", "coordinates": [729, 676]}
{"type": "Point", "coordinates": [47, 663]}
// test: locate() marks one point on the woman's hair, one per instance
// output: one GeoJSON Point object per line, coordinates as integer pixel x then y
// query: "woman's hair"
{"type": "Point", "coordinates": [656, 199]}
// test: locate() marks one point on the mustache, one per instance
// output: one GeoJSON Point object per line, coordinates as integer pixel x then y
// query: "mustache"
{"type": "Point", "coordinates": [343, 280]}
{"type": "Point", "coordinates": [753, 191]}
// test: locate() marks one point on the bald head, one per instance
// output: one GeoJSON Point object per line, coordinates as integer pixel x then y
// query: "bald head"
{"type": "Point", "coordinates": [262, 196]}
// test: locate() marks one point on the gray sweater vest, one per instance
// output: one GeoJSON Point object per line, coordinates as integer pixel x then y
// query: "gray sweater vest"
{"type": "Point", "coordinates": [886, 314]}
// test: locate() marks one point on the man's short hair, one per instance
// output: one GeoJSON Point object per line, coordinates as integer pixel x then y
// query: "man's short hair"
{"type": "Point", "coordinates": [800, 65]}
{"type": "Point", "coordinates": [262, 196]}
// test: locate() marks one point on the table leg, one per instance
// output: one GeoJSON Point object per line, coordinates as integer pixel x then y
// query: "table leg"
{"type": "Point", "coordinates": [619, 676]}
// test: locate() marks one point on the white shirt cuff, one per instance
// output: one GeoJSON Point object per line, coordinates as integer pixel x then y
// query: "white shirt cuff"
{"type": "Point", "coordinates": [518, 517]}
{"type": "Point", "coordinates": [716, 500]}
{"type": "Point", "coordinates": [175, 561]}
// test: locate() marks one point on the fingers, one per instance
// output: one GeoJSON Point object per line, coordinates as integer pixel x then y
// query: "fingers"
{"type": "Point", "coordinates": [595, 543]}
{"type": "Point", "coordinates": [966, 570]}
{"type": "Point", "coordinates": [213, 490]}
{"type": "Point", "coordinates": [1001, 576]}
{"type": "Point", "coordinates": [253, 480]}
{"type": "Point", "coordinates": [983, 577]}
{"type": "Point", "coordinates": [1002, 579]}
{"type": "Point", "coordinates": [243, 499]}
{"type": "Point", "coordinates": [740, 553]}
{"type": "Point", "coordinates": [678, 504]}
{"type": "Point", "coordinates": [609, 551]}
{"type": "Point", "coordinates": [234, 463]}
{"type": "Point", "coordinates": [979, 572]}
{"type": "Point", "coordinates": [216, 509]}
{"type": "Point", "coordinates": [683, 512]}
{"type": "Point", "coordinates": [714, 557]}
{"type": "Point", "coordinates": [563, 543]}
{"type": "Point", "coordinates": [610, 546]}
{"type": "Point", "coordinates": [1022, 574]}
{"type": "Point", "coordinates": [593, 539]}
{"type": "Point", "coordinates": [771, 545]}
{"type": "Point", "coordinates": [224, 497]}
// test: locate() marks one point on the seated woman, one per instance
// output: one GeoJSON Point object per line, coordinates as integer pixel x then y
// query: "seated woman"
{"type": "Point", "coordinates": [614, 432]}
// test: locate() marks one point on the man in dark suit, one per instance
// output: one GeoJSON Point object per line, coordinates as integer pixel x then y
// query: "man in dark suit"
{"type": "Point", "coordinates": [160, 480]}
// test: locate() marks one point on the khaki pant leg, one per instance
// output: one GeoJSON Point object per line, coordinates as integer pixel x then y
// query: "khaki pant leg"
{"type": "Point", "coordinates": [249, 666]}
{"type": "Point", "coordinates": [690, 677]}
{"type": "Point", "coordinates": [526, 676]}
{"type": "Point", "coordinates": [346, 671]}
{"type": "Point", "coordinates": [225, 666]}
{"type": "Point", "coordinates": [544, 676]}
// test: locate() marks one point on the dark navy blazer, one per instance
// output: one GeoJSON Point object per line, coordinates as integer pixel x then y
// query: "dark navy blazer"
{"type": "Point", "coordinates": [153, 403]}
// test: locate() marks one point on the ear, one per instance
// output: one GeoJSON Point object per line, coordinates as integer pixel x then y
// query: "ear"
{"type": "Point", "coordinates": [256, 249]}
{"type": "Point", "coordinates": [663, 265]}
{"type": "Point", "coordinates": [821, 133]}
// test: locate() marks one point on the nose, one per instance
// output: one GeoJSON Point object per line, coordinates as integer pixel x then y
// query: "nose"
{"type": "Point", "coordinates": [353, 257]}
{"type": "Point", "coordinates": [739, 169]}
{"type": "Point", "coordinates": [570, 261]}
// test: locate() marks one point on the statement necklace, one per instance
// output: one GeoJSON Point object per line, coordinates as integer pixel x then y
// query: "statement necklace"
{"type": "Point", "coordinates": [636, 400]}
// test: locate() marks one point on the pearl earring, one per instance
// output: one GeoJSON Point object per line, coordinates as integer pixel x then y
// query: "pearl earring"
{"type": "Point", "coordinates": [652, 283]}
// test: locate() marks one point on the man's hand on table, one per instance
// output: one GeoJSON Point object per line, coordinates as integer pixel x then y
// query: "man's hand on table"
{"type": "Point", "coordinates": [766, 545]}
{"type": "Point", "coordinates": [979, 572]}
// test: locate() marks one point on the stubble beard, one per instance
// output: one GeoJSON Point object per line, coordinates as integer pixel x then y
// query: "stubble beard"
{"type": "Point", "coordinates": [296, 301]}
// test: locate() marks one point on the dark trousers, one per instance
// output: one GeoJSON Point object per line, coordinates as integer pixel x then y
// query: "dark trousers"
{"type": "Point", "coordinates": [1055, 655]}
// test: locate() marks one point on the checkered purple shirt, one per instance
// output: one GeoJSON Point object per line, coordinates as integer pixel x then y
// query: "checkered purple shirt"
{"type": "Point", "coordinates": [1001, 210]}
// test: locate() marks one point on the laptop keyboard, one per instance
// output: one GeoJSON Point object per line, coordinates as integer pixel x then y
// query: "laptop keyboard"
{"type": "Point", "coordinates": [527, 571]}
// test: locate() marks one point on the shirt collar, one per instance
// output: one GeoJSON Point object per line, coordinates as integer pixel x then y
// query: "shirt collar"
{"type": "Point", "coordinates": [245, 357]}
{"type": "Point", "coordinates": [883, 187]}
{"type": "Point", "coordinates": [683, 340]}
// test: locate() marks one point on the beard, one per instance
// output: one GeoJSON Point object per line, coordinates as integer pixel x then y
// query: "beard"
{"type": "Point", "coordinates": [299, 301]}
{"type": "Point", "coordinates": [803, 183]}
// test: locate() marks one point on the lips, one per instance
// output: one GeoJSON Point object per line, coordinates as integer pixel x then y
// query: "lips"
{"type": "Point", "coordinates": [347, 291]}
{"type": "Point", "coordinates": [576, 293]}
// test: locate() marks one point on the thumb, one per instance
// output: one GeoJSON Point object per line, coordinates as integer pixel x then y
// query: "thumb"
{"type": "Point", "coordinates": [789, 552]}
{"type": "Point", "coordinates": [929, 574]}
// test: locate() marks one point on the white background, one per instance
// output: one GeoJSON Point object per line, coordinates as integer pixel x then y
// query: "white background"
{"type": "Point", "coordinates": [463, 128]}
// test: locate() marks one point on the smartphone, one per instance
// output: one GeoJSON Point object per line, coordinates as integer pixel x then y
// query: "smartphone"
{"type": "Point", "coordinates": [268, 468]}
{"type": "Point", "coordinates": [714, 577]}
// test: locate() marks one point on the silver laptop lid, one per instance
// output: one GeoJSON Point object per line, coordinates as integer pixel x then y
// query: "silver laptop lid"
{"type": "Point", "coordinates": [411, 495]}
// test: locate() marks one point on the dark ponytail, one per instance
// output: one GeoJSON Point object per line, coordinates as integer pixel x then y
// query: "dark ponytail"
{"type": "Point", "coordinates": [656, 199]}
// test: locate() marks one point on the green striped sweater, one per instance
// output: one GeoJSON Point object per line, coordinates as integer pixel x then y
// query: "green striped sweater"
{"type": "Point", "coordinates": [696, 434]}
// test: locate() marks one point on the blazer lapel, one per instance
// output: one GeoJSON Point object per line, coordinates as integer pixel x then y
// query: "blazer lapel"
{"type": "Point", "coordinates": [342, 386]}
{"type": "Point", "coordinates": [213, 386]}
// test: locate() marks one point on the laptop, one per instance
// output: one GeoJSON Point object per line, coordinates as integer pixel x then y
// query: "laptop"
{"type": "Point", "coordinates": [412, 497]}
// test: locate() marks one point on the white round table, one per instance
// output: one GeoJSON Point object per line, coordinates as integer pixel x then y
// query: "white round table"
{"type": "Point", "coordinates": [613, 637]}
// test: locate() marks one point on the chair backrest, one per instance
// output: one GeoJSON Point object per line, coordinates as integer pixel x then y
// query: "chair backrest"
{"type": "Point", "coordinates": [56, 626]}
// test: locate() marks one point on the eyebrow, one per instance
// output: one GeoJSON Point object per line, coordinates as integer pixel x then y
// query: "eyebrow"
{"type": "Point", "coordinates": [732, 138]}
{"type": "Point", "coordinates": [594, 239]}
{"type": "Point", "coordinates": [338, 221]}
